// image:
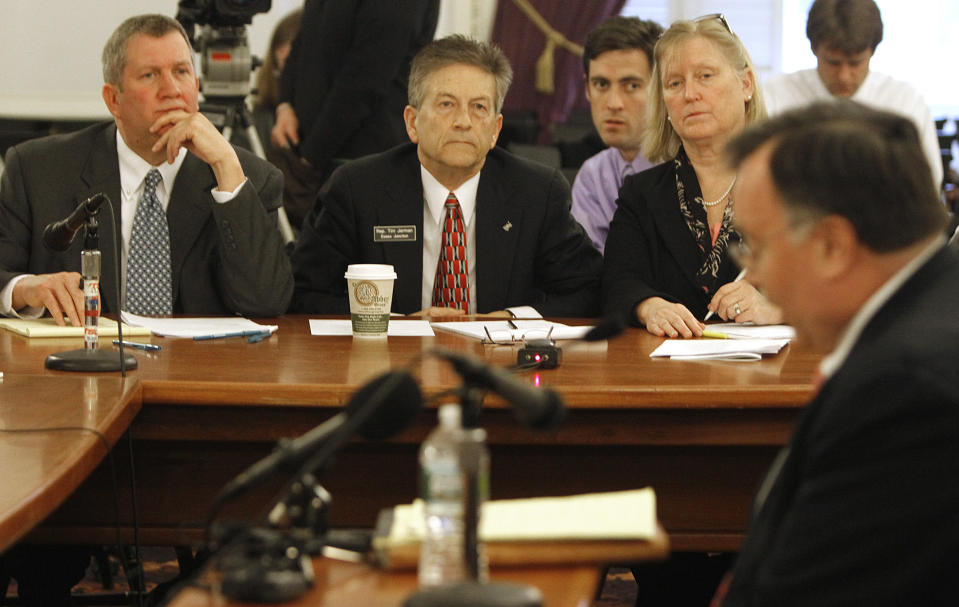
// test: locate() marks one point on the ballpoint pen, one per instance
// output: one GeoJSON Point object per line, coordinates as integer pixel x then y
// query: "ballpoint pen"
{"type": "Point", "coordinates": [137, 345]}
{"type": "Point", "coordinates": [254, 339]}
{"type": "Point", "coordinates": [739, 277]}
{"type": "Point", "coordinates": [247, 333]}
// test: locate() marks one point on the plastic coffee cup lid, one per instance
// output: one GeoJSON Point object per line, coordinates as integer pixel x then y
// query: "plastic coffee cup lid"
{"type": "Point", "coordinates": [370, 271]}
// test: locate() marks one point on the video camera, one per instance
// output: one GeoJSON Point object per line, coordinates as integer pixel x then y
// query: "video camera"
{"type": "Point", "coordinates": [219, 13]}
{"type": "Point", "coordinates": [217, 31]}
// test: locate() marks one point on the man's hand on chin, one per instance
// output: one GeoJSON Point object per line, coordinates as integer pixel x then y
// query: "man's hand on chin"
{"type": "Point", "coordinates": [191, 130]}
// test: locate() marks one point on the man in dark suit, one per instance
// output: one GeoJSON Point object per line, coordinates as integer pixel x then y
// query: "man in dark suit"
{"type": "Point", "coordinates": [522, 246]}
{"type": "Point", "coordinates": [343, 87]}
{"type": "Point", "coordinates": [846, 232]}
{"type": "Point", "coordinates": [225, 254]}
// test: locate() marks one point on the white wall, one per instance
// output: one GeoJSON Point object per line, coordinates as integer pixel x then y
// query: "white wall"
{"type": "Point", "coordinates": [50, 56]}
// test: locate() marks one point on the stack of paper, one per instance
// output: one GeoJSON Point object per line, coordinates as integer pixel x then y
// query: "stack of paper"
{"type": "Point", "coordinates": [196, 327]}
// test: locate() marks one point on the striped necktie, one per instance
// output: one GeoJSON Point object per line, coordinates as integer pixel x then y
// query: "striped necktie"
{"type": "Point", "coordinates": [451, 286]}
{"type": "Point", "coordinates": [149, 284]}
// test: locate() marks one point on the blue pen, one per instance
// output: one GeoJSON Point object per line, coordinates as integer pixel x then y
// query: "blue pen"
{"type": "Point", "coordinates": [225, 335]}
{"type": "Point", "coordinates": [138, 346]}
{"type": "Point", "coordinates": [255, 339]}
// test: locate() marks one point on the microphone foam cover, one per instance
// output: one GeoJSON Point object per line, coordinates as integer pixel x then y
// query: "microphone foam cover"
{"type": "Point", "coordinates": [548, 417]}
{"type": "Point", "coordinates": [396, 410]}
{"type": "Point", "coordinates": [606, 328]}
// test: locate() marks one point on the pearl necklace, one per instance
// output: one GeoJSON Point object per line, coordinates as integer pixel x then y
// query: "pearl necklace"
{"type": "Point", "coordinates": [712, 203]}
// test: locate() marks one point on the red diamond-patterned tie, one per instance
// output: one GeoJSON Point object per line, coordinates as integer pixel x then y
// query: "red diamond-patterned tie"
{"type": "Point", "coordinates": [450, 286]}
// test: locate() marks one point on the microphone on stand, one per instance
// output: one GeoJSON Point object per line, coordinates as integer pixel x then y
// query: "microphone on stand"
{"type": "Point", "coordinates": [267, 565]}
{"type": "Point", "coordinates": [538, 408]}
{"type": "Point", "coordinates": [57, 237]}
{"type": "Point", "coordinates": [378, 410]}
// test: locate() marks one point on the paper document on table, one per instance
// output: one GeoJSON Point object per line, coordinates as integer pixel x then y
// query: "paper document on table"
{"type": "Point", "coordinates": [612, 515]}
{"type": "Point", "coordinates": [196, 327]}
{"type": "Point", "coordinates": [718, 349]}
{"type": "Point", "coordinates": [397, 328]}
{"type": "Point", "coordinates": [749, 331]}
{"type": "Point", "coordinates": [46, 327]}
{"type": "Point", "coordinates": [500, 331]}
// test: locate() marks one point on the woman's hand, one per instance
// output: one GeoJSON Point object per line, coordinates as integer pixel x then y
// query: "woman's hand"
{"type": "Point", "coordinates": [740, 302]}
{"type": "Point", "coordinates": [667, 319]}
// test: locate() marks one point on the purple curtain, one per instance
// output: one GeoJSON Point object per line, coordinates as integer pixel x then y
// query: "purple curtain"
{"type": "Point", "coordinates": [523, 43]}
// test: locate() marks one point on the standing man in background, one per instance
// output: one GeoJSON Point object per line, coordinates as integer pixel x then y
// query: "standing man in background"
{"type": "Point", "coordinates": [844, 35]}
{"type": "Point", "coordinates": [617, 60]}
{"type": "Point", "coordinates": [343, 88]}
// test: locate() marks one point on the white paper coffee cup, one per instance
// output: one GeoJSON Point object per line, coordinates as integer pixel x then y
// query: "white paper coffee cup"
{"type": "Point", "coordinates": [370, 288]}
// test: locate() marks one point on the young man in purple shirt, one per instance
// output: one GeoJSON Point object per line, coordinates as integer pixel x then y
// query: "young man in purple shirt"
{"type": "Point", "coordinates": [617, 61]}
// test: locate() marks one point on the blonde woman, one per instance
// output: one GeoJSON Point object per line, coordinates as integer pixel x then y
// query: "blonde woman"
{"type": "Point", "coordinates": [667, 259]}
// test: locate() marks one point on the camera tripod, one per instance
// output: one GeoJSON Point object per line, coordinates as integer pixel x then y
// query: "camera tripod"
{"type": "Point", "coordinates": [236, 115]}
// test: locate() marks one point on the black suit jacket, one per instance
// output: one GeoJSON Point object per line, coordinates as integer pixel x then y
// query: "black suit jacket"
{"type": "Point", "coordinates": [650, 251]}
{"type": "Point", "coordinates": [543, 260]}
{"type": "Point", "coordinates": [865, 507]}
{"type": "Point", "coordinates": [226, 258]}
{"type": "Point", "coordinates": [346, 75]}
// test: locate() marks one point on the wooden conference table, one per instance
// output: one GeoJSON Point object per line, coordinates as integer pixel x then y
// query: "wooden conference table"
{"type": "Point", "coordinates": [53, 433]}
{"type": "Point", "coordinates": [700, 433]}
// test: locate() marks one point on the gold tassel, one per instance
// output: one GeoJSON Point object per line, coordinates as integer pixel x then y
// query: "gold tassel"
{"type": "Point", "coordinates": [545, 69]}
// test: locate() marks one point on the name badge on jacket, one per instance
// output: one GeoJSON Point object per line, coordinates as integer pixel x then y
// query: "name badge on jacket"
{"type": "Point", "coordinates": [394, 233]}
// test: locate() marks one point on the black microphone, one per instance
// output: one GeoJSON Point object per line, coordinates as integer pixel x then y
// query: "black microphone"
{"type": "Point", "coordinates": [58, 235]}
{"type": "Point", "coordinates": [539, 408]}
{"type": "Point", "coordinates": [378, 410]}
{"type": "Point", "coordinates": [604, 329]}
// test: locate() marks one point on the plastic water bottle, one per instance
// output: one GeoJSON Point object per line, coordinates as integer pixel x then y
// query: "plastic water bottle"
{"type": "Point", "coordinates": [444, 491]}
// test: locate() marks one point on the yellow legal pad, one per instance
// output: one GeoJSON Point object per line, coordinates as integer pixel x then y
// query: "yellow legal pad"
{"type": "Point", "coordinates": [45, 327]}
{"type": "Point", "coordinates": [594, 528]}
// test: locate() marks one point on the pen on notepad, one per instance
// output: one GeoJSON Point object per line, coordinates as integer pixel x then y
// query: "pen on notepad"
{"type": "Point", "coordinates": [138, 346]}
{"type": "Point", "coordinates": [737, 279]}
{"type": "Point", "coordinates": [233, 334]}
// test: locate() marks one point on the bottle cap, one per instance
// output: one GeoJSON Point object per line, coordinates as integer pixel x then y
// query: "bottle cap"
{"type": "Point", "coordinates": [450, 415]}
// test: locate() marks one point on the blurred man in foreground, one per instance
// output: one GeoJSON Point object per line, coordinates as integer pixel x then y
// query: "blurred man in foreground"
{"type": "Point", "coordinates": [844, 230]}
